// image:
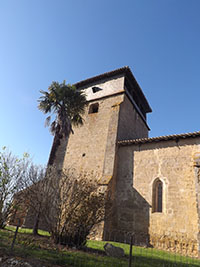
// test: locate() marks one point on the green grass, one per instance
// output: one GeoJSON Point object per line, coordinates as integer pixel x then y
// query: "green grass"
{"type": "Point", "coordinates": [149, 256]}
{"type": "Point", "coordinates": [26, 230]}
{"type": "Point", "coordinates": [42, 248]}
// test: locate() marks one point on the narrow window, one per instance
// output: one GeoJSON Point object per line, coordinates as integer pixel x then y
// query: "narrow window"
{"type": "Point", "coordinates": [157, 201]}
{"type": "Point", "coordinates": [93, 108]}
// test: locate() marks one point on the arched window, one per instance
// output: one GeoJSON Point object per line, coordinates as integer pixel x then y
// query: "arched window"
{"type": "Point", "coordinates": [157, 201]}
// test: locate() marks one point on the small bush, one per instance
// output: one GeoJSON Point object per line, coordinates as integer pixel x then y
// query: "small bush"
{"type": "Point", "coordinates": [81, 206]}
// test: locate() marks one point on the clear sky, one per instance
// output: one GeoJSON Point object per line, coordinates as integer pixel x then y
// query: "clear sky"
{"type": "Point", "coordinates": [52, 40]}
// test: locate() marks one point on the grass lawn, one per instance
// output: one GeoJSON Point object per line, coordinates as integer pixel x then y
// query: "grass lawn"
{"type": "Point", "coordinates": [26, 230]}
{"type": "Point", "coordinates": [42, 248]}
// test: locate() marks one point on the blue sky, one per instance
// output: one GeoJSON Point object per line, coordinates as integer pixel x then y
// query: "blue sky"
{"type": "Point", "coordinates": [46, 40]}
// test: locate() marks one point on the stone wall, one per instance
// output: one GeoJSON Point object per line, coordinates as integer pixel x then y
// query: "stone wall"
{"type": "Point", "coordinates": [88, 147]}
{"type": "Point", "coordinates": [131, 125]}
{"type": "Point", "coordinates": [171, 162]}
{"type": "Point", "coordinates": [92, 147]}
{"type": "Point", "coordinates": [107, 87]}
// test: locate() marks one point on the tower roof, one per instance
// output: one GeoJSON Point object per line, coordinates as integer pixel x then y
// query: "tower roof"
{"type": "Point", "coordinates": [108, 75]}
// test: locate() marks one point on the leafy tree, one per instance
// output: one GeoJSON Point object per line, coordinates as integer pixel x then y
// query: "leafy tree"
{"type": "Point", "coordinates": [67, 104]}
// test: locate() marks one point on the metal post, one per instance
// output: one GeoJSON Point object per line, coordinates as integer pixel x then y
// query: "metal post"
{"type": "Point", "coordinates": [130, 251]}
{"type": "Point", "coordinates": [15, 235]}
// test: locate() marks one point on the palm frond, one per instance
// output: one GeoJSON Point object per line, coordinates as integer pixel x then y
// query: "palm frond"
{"type": "Point", "coordinates": [47, 121]}
{"type": "Point", "coordinates": [77, 120]}
{"type": "Point", "coordinates": [67, 103]}
{"type": "Point", "coordinates": [53, 127]}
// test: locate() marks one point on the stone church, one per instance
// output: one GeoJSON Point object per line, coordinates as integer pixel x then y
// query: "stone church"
{"type": "Point", "coordinates": [155, 182]}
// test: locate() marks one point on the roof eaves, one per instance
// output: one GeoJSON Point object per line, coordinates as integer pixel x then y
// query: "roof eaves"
{"type": "Point", "coordinates": [159, 138]}
{"type": "Point", "coordinates": [101, 76]}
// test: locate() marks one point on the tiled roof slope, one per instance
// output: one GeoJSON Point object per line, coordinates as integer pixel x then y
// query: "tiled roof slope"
{"type": "Point", "coordinates": [124, 70]}
{"type": "Point", "coordinates": [159, 138]}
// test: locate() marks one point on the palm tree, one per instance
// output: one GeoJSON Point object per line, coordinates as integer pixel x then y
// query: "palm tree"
{"type": "Point", "coordinates": [67, 105]}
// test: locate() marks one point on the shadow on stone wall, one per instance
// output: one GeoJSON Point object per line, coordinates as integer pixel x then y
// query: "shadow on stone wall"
{"type": "Point", "coordinates": [131, 218]}
{"type": "Point", "coordinates": [130, 211]}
